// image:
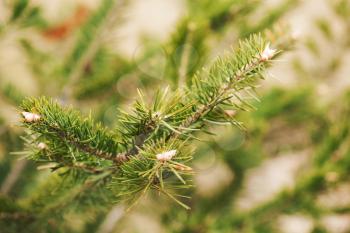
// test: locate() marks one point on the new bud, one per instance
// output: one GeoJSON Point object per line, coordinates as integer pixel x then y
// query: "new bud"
{"type": "Point", "coordinates": [30, 117]}
{"type": "Point", "coordinates": [268, 53]}
{"type": "Point", "coordinates": [42, 146]}
{"type": "Point", "coordinates": [166, 156]}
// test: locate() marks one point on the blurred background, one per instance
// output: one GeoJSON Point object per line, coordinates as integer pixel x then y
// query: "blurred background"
{"type": "Point", "coordinates": [288, 171]}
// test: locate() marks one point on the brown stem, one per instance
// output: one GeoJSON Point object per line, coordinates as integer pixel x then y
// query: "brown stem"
{"type": "Point", "coordinates": [85, 147]}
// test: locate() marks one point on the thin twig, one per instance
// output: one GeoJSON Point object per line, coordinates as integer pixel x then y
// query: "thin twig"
{"type": "Point", "coordinates": [205, 109]}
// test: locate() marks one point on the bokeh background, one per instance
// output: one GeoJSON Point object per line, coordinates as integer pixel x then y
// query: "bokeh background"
{"type": "Point", "coordinates": [288, 171]}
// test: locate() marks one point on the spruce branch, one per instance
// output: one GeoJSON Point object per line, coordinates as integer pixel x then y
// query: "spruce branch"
{"type": "Point", "coordinates": [152, 169]}
{"type": "Point", "coordinates": [69, 137]}
{"type": "Point", "coordinates": [149, 148]}
{"type": "Point", "coordinates": [249, 66]}
{"type": "Point", "coordinates": [210, 89]}
{"type": "Point", "coordinates": [146, 121]}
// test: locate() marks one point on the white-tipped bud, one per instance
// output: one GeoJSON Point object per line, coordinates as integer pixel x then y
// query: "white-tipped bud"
{"type": "Point", "coordinates": [30, 117]}
{"type": "Point", "coordinates": [166, 156]}
{"type": "Point", "coordinates": [268, 53]}
{"type": "Point", "coordinates": [42, 146]}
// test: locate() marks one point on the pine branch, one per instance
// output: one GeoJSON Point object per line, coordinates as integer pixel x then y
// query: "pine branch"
{"type": "Point", "coordinates": [156, 133]}
{"type": "Point", "coordinates": [147, 121]}
{"type": "Point", "coordinates": [66, 137]}
{"type": "Point", "coordinates": [254, 65]}
{"type": "Point", "coordinates": [211, 89]}
{"type": "Point", "coordinates": [152, 169]}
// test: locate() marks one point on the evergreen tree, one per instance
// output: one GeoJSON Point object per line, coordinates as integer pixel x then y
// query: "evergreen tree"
{"type": "Point", "coordinates": [68, 166]}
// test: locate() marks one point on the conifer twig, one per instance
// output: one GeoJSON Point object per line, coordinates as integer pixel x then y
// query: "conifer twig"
{"type": "Point", "coordinates": [153, 133]}
{"type": "Point", "coordinates": [260, 57]}
{"type": "Point", "coordinates": [236, 78]}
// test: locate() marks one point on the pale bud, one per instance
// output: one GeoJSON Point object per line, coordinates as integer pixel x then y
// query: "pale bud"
{"type": "Point", "coordinates": [268, 53]}
{"type": "Point", "coordinates": [42, 146]}
{"type": "Point", "coordinates": [30, 117]}
{"type": "Point", "coordinates": [166, 156]}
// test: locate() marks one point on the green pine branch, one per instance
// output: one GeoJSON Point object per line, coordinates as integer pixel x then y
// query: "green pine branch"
{"type": "Point", "coordinates": [62, 135]}
{"type": "Point", "coordinates": [149, 149]}
{"type": "Point", "coordinates": [214, 89]}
